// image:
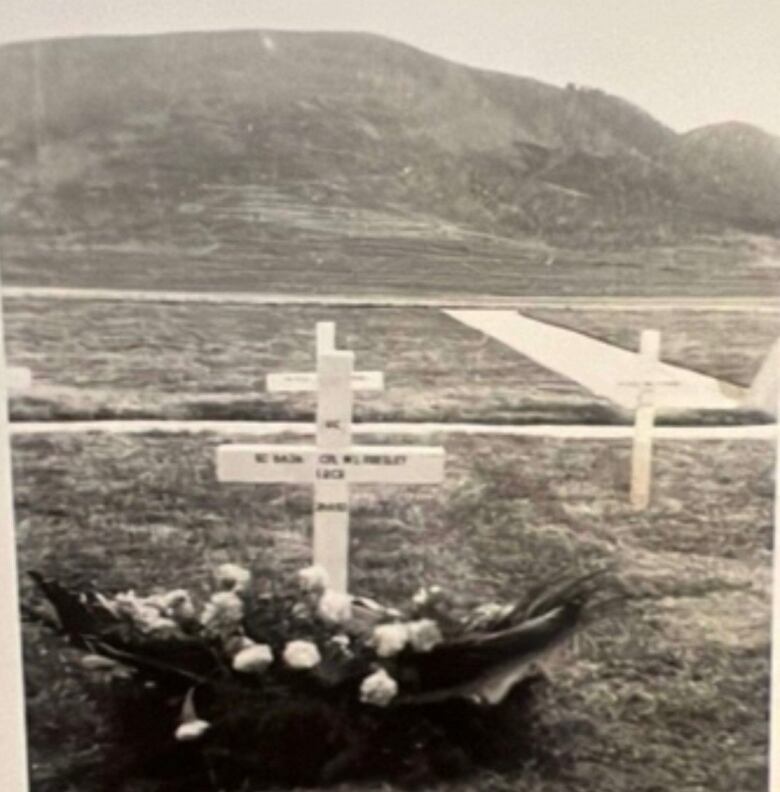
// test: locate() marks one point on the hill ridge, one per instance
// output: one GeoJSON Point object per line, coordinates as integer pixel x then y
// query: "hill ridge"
{"type": "Point", "coordinates": [119, 141]}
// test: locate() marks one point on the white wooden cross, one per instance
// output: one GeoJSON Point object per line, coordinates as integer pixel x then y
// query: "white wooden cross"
{"type": "Point", "coordinates": [307, 381]}
{"type": "Point", "coordinates": [644, 417]}
{"type": "Point", "coordinates": [13, 768]}
{"type": "Point", "coordinates": [18, 378]}
{"type": "Point", "coordinates": [333, 463]}
{"type": "Point", "coordinates": [774, 735]}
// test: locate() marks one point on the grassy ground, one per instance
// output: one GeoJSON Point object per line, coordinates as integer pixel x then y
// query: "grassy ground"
{"type": "Point", "coordinates": [727, 345]}
{"type": "Point", "coordinates": [672, 695]}
{"type": "Point", "coordinates": [100, 359]}
{"type": "Point", "coordinates": [368, 258]}
{"type": "Point", "coordinates": [200, 361]}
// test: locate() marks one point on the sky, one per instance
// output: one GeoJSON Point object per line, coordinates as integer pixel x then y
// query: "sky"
{"type": "Point", "coordinates": [687, 62]}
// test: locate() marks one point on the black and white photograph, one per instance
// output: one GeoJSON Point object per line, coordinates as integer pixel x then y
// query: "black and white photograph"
{"type": "Point", "coordinates": [389, 395]}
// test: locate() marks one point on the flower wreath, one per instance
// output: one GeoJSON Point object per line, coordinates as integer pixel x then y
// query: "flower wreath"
{"type": "Point", "coordinates": [296, 683]}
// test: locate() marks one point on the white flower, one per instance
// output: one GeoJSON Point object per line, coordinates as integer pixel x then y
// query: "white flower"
{"type": "Point", "coordinates": [378, 689]}
{"type": "Point", "coordinates": [232, 577]}
{"type": "Point", "coordinates": [342, 641]}
{"type": "Point", "coordinates": [253, 659]}
{"type": "Point", "coordinates": [426, 595]}
{"type": "Point", "coordinates": [421, 597]}
{"type": "Point", "coordinates": [192, 730]}
{"type": "Point", "coordinates": [143, 612]}
{"type": "Point", "coordinates": [301, 654]}
{"type": "Point", "coordinates": [335, 607]}
{"type": "Point", "coordinates": [390, 639]}
{"type": "Point", "coordinates": [313, 578]}
{"type": "Point", "coordinates": [136, 608]}
{"type": "Point", "coordinates": [155, 601]}
{"type": "Point", "coordinates": [224, 609]}
{"type": "Point", "coordinates": [424, 635]}
{"type": "Point", "coordinates": [178, 605]}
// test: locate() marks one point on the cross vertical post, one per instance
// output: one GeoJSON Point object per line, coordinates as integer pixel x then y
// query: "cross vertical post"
{"type": "Point", "coordinates": [330, 542]}
{"type": "Point", "coordinates": [774, 709]}
{"type": "Point", "coordinates": [644, 420]}
{"type": "Point", "coordinates": [326, 337]}
{"type": "Point", "coordinates": [13, 768]}
{"type": "Point", "coordinates": [18, 378]}
{"type": "Point", "coordinates": [332, 464]}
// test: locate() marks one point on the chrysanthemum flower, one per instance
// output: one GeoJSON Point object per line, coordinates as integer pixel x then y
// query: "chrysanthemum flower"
{"type": "Point", "coordinates": [224, 609]}
{"type": "Point", "coordinates": [253, 659]}
{"type": "Point", "coordinates": [232, 577]}
{"type": "Point", "coordinates": [378, 689]}
{"type": "Point", "coordinates": [178, 605]}
{"type": "Point", "coordinates": [390, 639]}
{"type": "Point", "coordinates": [145, 613]}
{"type": "Point", "coordinates": [427, 595]}
{"type": "Point", "coordinates": [424, 635]}
{"type": "Point", "coordinates": [335, 607]}
{"type": "Point", "coordinates": [301, 654]}
{"type": "Point", "coordinates": [138, 609]}
{"type": "Point", "coordinates": [313, 579]}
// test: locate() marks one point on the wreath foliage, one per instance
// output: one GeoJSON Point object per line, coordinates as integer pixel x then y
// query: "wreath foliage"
{"type": "Point", "coordinates": [290, 683]}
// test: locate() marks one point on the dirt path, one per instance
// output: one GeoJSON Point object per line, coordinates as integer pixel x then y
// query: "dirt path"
{"type": "Point", "coordinates": [263, 428]}
{"type": "Point", "coordinates": [750, 304]}
{"type": "Point", "coordinates": [598, 366]}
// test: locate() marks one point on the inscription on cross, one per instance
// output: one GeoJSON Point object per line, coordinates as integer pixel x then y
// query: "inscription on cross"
{"type": "Point", "coordinates": [307, 381]}
{"type": "Point", "coordinates": [645, 385]}
{"type": "Point", "coordinates": [333, 463]}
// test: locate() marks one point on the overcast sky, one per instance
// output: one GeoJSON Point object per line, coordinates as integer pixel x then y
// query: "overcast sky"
{"type": "Point", "coordinates": [688, 62]}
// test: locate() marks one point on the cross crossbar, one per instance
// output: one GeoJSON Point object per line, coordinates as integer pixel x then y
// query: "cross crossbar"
{"type": "Point", "coordinates": [297, 464]}
{"type": "Point", "coordinates": [302, 382]}
{"type": "Point", "coordinates": [332, 464]}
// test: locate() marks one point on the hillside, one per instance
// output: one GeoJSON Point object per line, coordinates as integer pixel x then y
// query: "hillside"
{"type": "Point", "coordinates": [310, 147]}
{"type": "Point", "coordinates": [733, 167]}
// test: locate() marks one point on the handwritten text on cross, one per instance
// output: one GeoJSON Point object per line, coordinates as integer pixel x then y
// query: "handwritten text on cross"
{"type": "Point", "coordinates": [333, 463]}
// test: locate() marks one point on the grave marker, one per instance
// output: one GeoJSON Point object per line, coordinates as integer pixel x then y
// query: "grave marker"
{"type": "Point", "coordinates": [307, 381]}
{"type": "Point", "coordinates": [332, 464]}
{"type": "Point", "coordinates": [13, 768]}
{"type": "Point", "coordinates": [644, 417]}
{"type": "Point", "coordinates": [18, 378]}
{"type": "Point", "coordinates": [774, 710]}
{"type": "Point", "coordinates": [326, 337]}
{"type": "Point", "coordinates": [765, 388]}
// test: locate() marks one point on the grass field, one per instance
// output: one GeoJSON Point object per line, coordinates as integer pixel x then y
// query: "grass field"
{"type": "Point", "coordinates": [100, 359]}
{"type": "Point", "coordinates": [673, 694]}
{"type": "Point", "coordinates": [727, 345]}
{"type": "Point", "coordinates": [407, 255]}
